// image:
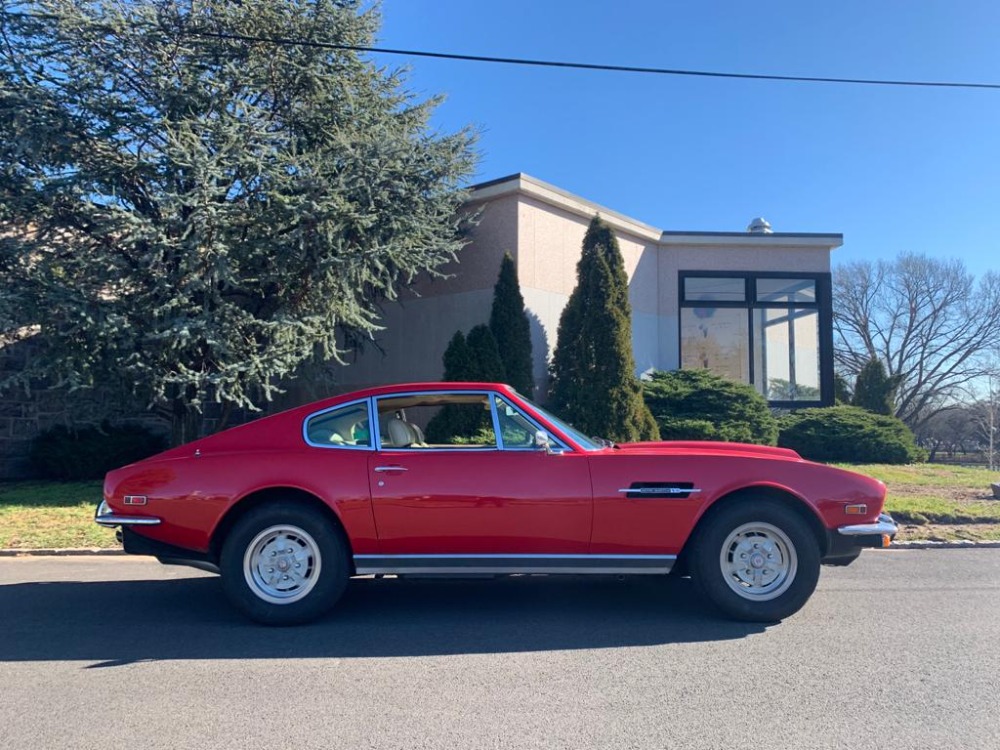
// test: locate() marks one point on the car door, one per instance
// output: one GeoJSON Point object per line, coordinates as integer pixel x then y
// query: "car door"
{"type": "Point", "coordinates": [657, 516]}
{"type": "Point", "coordinates": [479, 497]}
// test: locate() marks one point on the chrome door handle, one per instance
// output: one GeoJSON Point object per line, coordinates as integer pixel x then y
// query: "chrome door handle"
{"type": "Point", "coordinates": [380, 469]}
{"type": "Point", "coordinates": [668, 490]}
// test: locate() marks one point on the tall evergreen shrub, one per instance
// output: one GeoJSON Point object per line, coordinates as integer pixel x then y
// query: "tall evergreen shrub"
{"type": "Point", "coordinates": [468, 358]}
{"type": "Point", "coordinates": [203, 216]}
{"type": "Point", "coordinates": [593, 368]}
{"type": "Point", "coordinates": [485, 364]}
{"type": "Point", "coordinates": [874, 390]}
{"type": "Point", "coordinates": [509, 325]}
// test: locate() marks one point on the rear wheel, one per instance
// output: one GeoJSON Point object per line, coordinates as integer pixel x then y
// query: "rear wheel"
{"type": "Point", "coordinates": [284, 564]}
{"type": "Point", "coordinates": [756, 561]}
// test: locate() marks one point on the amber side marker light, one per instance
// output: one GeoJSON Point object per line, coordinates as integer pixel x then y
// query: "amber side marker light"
{"type": "Point", "coordinates": [856, 510]}
{"type": "Point", "coordinates": [886, 540]}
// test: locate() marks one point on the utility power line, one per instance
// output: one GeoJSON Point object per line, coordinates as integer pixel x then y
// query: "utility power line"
{"type": "Point", "coordinates": [288, 42]}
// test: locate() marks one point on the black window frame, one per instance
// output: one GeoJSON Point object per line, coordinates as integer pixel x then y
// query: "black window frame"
{"type": "Point", "coordinates": [823, 304]}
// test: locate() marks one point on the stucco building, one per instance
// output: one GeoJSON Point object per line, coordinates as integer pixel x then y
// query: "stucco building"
{"type": "Point", "coordinates": [754, 305]}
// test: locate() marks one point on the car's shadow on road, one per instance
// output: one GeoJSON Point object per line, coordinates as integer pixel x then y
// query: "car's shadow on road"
{"type": "Point", "coordinates": [116, 623]}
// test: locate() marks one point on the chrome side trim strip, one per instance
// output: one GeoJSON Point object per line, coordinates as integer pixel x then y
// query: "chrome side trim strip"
{"type": "Point", "coordinates": [884, 525]}
{"type": "Point", "coordinates": [512, 564]}
{"type": "Point", "coordinates": [660, 490]}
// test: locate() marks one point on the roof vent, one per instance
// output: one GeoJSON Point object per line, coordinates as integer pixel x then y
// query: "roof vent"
{"type": "Point", "coordinates": [759, 226]}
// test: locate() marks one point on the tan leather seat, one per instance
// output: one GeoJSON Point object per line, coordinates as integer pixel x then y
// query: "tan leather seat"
{"type": "Point", "coordinates": [400, 434]}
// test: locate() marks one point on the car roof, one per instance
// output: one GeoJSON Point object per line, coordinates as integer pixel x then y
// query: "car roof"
{"type": "Point", "coordinates": [427, 386]}
{"type": "Point", "coordinates": [395, 388]}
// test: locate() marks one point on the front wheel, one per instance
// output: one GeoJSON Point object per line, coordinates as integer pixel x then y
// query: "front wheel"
{"type": "Point", "coordinates": [284, 564]}
{"type": "Point", "coordinates": [756, 561]}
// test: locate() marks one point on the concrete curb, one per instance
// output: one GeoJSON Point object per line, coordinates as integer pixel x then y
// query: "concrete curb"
{"type": "Point", "coordinates": [68, 552]}
{"type": "Point", "coordinates": [926, 544]}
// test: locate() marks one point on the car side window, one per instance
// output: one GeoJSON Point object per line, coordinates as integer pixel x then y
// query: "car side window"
{"type": "Point", "coordinates": [340, 427]}
{"type": "Point", "coordinates": [516, 429]}
{"type": "Point", "coordinates": [436, 421]}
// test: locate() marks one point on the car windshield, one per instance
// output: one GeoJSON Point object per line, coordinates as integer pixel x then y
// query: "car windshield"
{"type": "Point", "coordinates": [578, 437]}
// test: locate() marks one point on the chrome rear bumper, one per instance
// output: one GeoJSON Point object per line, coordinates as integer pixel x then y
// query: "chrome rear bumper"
{"type": "Point", "coordinates": [104, 516]}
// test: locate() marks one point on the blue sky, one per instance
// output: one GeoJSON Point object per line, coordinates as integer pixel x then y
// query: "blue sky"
{"type": "Point", "coordinates": [892, 169]}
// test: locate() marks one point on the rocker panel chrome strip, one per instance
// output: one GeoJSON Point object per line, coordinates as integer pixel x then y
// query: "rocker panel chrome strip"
{"type": "Point", "coordinates": [510, 564]}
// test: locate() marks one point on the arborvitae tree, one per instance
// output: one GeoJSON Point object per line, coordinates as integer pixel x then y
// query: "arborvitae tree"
{"type": "Point", "coordinates": [875, 390]}
{"type": "Point", "coordinates": [486, 364]}
{"type": "Point", "coordinates": [468, 358]}
{"type": "Point", "coordinates": [202, 215]}
{"type": "Point", "coordinates": [842, 392]}
{"type": "Point", "coordinates": [452, 419]}
{"type": "Point", "coordinates": [593, 368]}
{"type": "Point", "coordinates": [457, 359]}
{"type": "Point", "coordinates": [509, 325]}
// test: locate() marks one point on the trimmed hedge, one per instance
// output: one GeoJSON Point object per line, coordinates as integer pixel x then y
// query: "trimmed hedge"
{"type": "Point", "coordinates": [699, 405]}
{"type": "Point", "coordinates": [849, 434]}
{"type": "Point", "coordinates": [90, 452]}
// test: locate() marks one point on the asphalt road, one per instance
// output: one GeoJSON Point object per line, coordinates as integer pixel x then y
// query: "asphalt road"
{"type": "Point", "coordinates": [900, 650]}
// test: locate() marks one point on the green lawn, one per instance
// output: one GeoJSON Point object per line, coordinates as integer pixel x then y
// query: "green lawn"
{"type": "Point", "coordinates": [930, 501]}
{"type": "Point", "coordinates": [937, 476]}
{"type": "Point", "coordinates": [939, 501]}
{"type": "Point", "coordinates": [36, 515]}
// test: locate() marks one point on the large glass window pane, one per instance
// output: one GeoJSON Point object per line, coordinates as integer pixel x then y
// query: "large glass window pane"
{"type": "Point", "coordinates": [786, 290]}
{"type": "Point", "coordinates": [786, 360]}
{"type": "Point", "coordinates": [716, 339]}
{"type": "Point", "coordinates": [707, 289]}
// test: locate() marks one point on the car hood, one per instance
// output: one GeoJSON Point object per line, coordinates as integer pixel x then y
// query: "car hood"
{"type": "Point", "coordinates": [709, 447]}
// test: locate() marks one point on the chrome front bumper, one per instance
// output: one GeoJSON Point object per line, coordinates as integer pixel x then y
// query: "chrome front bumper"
{"type": "Point", "coordinates": [878, 534]}
{"type": "Point", "coordinates": [884, 525]}
{"type": "Point", "coordinates": [104, 516]}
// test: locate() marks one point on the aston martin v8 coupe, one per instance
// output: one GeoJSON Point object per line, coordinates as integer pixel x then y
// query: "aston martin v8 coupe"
{"type": "Point", "coordinates": [462, 478]}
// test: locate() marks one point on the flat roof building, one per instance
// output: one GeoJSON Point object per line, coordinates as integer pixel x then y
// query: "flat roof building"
{"type": "Point", "coordinates": [754, 306]}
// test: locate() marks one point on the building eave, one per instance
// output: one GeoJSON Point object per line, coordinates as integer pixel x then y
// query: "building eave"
{"type": "Point", "coordinates": [525, 184]}
{"type": "Point", "coordinates": [545, 192]}
{"type": "Point", "coordinates": [745, 239]}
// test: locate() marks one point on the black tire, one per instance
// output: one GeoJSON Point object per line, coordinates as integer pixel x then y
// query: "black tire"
{"type": "Point", "coordinates": [781, 570]}
{"type": "Point", "coordinates": [310, 564]}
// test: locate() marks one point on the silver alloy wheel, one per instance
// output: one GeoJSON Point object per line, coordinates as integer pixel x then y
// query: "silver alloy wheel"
{"type": "Point", "coordinates": [282, 564]}
{"type": "Point", "coordinates": [758, 561]}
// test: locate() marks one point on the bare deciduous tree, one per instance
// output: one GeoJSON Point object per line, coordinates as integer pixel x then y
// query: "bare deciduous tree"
{"type": "Point", "coordinates": [949, 430]}
{"type": "Point", "coordinates": [985, 412]}
{"type": "Point", "coordinates": [927, 320]}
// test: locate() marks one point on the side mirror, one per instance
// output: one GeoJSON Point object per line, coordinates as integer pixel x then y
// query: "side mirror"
{"type": "Point", "coordinates": [544, 442]}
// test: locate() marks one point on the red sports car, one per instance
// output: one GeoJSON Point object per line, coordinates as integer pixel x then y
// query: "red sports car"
{"type": "Point", "coordinates": [460, 478]}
